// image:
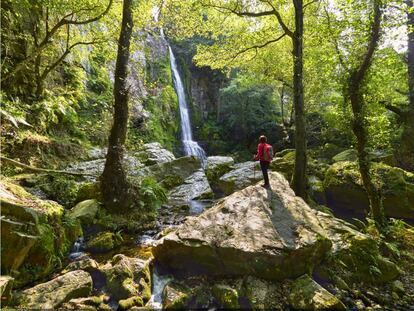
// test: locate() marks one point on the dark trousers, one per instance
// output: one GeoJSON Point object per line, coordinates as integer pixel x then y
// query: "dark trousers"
{"type": "Point", "coordinates": [265, 166]}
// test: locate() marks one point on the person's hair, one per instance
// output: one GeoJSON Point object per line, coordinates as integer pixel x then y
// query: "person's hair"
{"type": "Point", "coordinates": [262, 139]}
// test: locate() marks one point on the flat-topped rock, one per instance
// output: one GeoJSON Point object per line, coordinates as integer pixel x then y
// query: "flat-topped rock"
{"type": "Point", "coordinates": [271, 234]}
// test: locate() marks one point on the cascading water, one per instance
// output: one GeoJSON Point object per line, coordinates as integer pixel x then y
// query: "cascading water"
{"type": "Point", "coordinates": [191, 147]}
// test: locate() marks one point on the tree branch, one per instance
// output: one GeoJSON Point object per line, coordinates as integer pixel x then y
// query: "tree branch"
{"type": "Point", "coordinates": [256, 47]}
{"type": "Point", "coordinates": [47, 39]}
{"type": "Point", "coordinates": [41, 170]}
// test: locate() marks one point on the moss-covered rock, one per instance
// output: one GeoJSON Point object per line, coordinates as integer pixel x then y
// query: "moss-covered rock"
{"type": "Point", "coordinates": [346, 155]}
{"type": "Point", "coordinates": [85, 211]}
{"type": "Point", "coordinates": [89, 190]}
{"type": "Point", "coordinates": [52, 294]}
{"type": "Point", "coordinates": [173, 173]}
{"type": "Point", "coordinates": [36, 234]}
{"type": "Point", "coordinates": [93, 303]}
{"type": "Point", "coordinates": [125, 304]}
{"type": "Point", "coordinates": [175, 296]}
{"type": "Point", "coordinates": [226, 296]}
{"type": "Point", "coordinates": [217, 166]}
{"type": "Point", "coordinates": [344, 190]}
{"type": "Point", "coordinates": [104, 242]}
{"type": "Point", "coordinates": [306, 294]}
{"type": "Point", "coordinates": [128, 277]}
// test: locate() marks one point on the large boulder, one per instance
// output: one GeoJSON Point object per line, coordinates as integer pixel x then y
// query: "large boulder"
{"type": "Point", "coordinates": [195, 186]}
{"type": "Point", "coordinates": [35, 234]}
{"type": "Point", "coordinates": [153, 153]}
{"type": "Point", "coordinates": [345, 192]}
{"type": "Point", "coordinates": [242, 175]}
{"type": "Point", "coordinates": [354, 255]}
{"type": "Point", "coordinates": [52, 294]}
{"type": "Point", "coordinates": [271, 234]}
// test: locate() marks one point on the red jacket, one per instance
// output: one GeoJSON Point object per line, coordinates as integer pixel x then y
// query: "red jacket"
{"type": "Point", "coordinates": [260, 148]}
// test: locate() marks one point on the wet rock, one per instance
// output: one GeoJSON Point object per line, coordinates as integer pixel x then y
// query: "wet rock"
{"type": "Point", "coordinates": [270, 234]}
{"type": "Point", "coordinates": [195, 187]}
{"type": "Point", "coordinates": [85, 211]}
{"type": "Point", "coordinates": [154, 153]}
{"type": "Point", "coordinates": [104, 242]}
{"type": "Point", "coordinates": [53, 294]}
{"type": "Point", "coordinates": [241, 176]}
{"type": "Point", "coordinates": [175, 296]}
{"type": "Point", "coordinates": [345, 192]}
{"type": "Point", "coordinates": [6, 284]}
{"type": "Point", "coordinates": [306, 294]}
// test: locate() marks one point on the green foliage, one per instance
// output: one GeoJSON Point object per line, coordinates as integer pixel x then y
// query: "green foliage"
{"type": "Point", "coordinates": [152, 195]}
{"type": "Point", "coordinates": [63, 189]}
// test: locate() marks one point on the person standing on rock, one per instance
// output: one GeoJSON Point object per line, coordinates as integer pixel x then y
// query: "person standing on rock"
{"type": "Point", "coordinates": [264, 155]}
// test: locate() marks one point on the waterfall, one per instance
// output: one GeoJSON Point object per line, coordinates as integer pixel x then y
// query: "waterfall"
{"type": "Point", "coordinates": [190, 146]}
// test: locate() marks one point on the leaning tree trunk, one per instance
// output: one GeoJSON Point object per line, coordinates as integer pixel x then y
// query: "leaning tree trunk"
{"type": "Point", "coordinates": [359, 122]}
{"type": "Point", "coordinates": [299, 174]}
{"type": "Point", "coordinates": [114, 183]}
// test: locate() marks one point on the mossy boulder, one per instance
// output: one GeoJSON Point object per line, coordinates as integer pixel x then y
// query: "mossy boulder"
{"type": "Point", "coordinates": [175, 296]}
{"type": "Point", "coordinates": [344, 189]}
{"type": "Point", "coordinates": [355, 256]}
{"type": "Point", "coordinates": [171, 174]}
{"type": "Point", "coordinates": [125, 304]}
{"type": "Point", "coordinates": [36, 234]}
{"type": "Point", "coordinates": [227, 297]}
{"type": "Point", "coordinates": [87, 264]}
{"type": "Point", "coordinates": [306, 294]}
{"type": "Point", "coordinates": [89, 190]}
{"type": "Point", "coordinates": [53, 294]}
{"type": "Point", "coordinates": [128, 277]}
{"type": "Point", "coordinates": [85, 211]}
{"type": "Point", "coordinates": [104, 242]}
{"type": "Point", "coordinates": [217, 166]}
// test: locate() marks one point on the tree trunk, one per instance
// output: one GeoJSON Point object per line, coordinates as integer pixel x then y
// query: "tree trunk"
{"type": "Point", "coordinates": [299, 174]}
{"type": "Point", "coordinates": [359, 125]}
{"type": "Point", "coordinates": [405, 154]}
{"type": "Point", "coordinates": [115, 186]}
